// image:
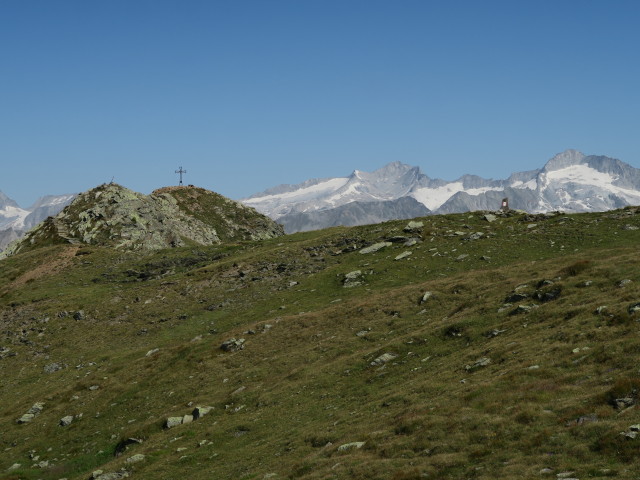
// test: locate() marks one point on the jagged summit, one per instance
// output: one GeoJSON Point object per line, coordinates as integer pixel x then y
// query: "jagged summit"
{"type": "Point", "coordinates": [565, 159]}
{"type": "Point", "coordinates": [6, 201]}
{"type": "Point", "coordinates": [115, 216]}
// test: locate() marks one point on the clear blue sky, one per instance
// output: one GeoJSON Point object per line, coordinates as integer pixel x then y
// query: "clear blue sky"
{"type": "Point", "coordinates": [249, 94]}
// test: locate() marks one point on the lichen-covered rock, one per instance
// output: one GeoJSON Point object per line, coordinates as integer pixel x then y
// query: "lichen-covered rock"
{"type": "Point", "coordinates": [232, 220]}
{"type": "Point", "coordinates": [351, 446]}
{"type": "Point", "coordinates": [352, 279]}
{"type": "Point", "coordinates": [382, 359]}
{"type": "Point", "coordinates": [187, 419]}
{"type": "Point", "coordinates": [66, 421]}
{"type": "Point", "coordinates": [200, 412]}
{"type": "Point", "coordinates": [173, 422]}
{"type": "Point", "coordinates": [35, 410]}
{"type": "Point", "coordinates": [138, 457]}
{"type": "Point", "coordinates": [233, 345]}
{"type": "Point", "coordinates": [52, 367]}
{"type": "Point", "coordinates": [413, 226]}
{"type": "Point", "coordinates": [26, 418]}
{"type": "Point", "coordinates": [481, 362]}
{"type": "Point", "coordinates": [404, 255]}
{"type": "Point", "coordinates": [375, 247]}
{"type": "Point", "coordinates": [99, 475]}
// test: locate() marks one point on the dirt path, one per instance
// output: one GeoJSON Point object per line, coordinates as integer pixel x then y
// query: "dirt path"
{"type": "Point", "coordinates": [53, 266]}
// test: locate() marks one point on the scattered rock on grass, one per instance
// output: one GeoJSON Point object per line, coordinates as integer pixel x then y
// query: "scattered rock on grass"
{"type": "Point", "coordinates": [31, 413]}
{"type": "Point", "coordinates": [187, 419]}
{"type": "Point", "coordinates": [66, 421]}
{"type": "Point", "coordinates": [138, 457]}
{"type": "Point", "coordinates": [624, 402]}
{"type": "Point", "coordinates": [634, 307]}
{"type": "Point", "coordinates": [200, 412]}
{"type": "Point", "coordinates": [197, 412]}
{"type": "Point", "coordinates": [99, 475]}
{"type": "Point", "coordinates": [601, 310]}
{"type": "Point", "coordinates": [425, 297]}
{"type": "Point", "coordinates": [353, 279]}
{"type": "Point", "coordinates": [233, 345]}
{"type": "Point", "coordinates": [523, 309]}
{"type": "Point", "coordinates": [494, 333]}
{"type": "Point", "coordinates": [382, 359]}
{"type": "Point", "coordinates": [566, 475]}
{"type": "Point", "coordinates": [375, 247]}
{"type": "Point", "coordinates": [584, 419]}
{"type": "Point", "coordinates": [26, 418]}
{"type": "Point", "coordinates": [481, 362]}
{"type": "Point", "coordinates": [404, 255]}
{"type": "Point", "coordinates": [516, 297]}
{"type": "Point", "coordinates": [53, 367]}
{"type": "Point", "coordinates": [414, 226]}
{"type": "Point", "coordinates": [173, 422]}
{"type": "Point", "coordinates": [349, 446]}
{"type": "Point", "coordinates": [632, 432]}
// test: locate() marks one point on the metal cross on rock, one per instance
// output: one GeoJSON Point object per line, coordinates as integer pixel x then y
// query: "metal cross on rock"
{"type": "Point", "coordinates": [181, 171]}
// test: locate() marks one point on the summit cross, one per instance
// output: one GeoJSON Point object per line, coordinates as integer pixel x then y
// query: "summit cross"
{"type": "Point", "coordinates": [181, 171]}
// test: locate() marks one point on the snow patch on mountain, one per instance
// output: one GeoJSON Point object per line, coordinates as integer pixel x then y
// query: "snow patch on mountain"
{"type": "Point", "coordinates": [12, 217]}
{"type": "Point", "coordinates": [278, 204]}
{"type": "Point", "coordinates": [582, 174]}
{"type": "Point", "coordinates": [434, 198]}
{"type": "Point", "coordinates": [531, 184]}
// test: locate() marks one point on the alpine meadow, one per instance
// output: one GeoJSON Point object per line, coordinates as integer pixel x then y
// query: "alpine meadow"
{"type": "Point", "coordinates": [183, 335]}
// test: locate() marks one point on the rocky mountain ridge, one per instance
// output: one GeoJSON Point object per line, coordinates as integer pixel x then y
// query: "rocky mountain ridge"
{"type": "Point", "coordinates": [570, 181]}
{"type": "Point", "coordinates": [112, 215]}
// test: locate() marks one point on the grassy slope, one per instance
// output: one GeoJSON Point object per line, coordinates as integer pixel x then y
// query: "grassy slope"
{"type": "Point", "coordinates": [308, 383]}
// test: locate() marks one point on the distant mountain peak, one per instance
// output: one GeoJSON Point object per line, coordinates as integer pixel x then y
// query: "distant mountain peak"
{"type": "Point", "coordinates": [6, 201]}
{"type": "Point", "coordinates": [565, 159]}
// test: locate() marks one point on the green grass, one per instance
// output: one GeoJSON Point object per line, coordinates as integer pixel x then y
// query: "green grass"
{"type": "Point", "coordinates": [309, 386]}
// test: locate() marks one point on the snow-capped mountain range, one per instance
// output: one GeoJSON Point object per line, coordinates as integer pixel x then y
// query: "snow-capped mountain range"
{"type": "Point", "coordinates": [15, 221]}
{"type": "Point", "coordinates": [570, 181]}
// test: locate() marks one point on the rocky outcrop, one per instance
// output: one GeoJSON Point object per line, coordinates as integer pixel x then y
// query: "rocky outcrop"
{"type": "Point", "coordinates": [233, 221]}
{"type": "Point", "coordinates": [31, 413]}
{"type": "Point", "coordinates": [114, 216]}
{"type": "Point", "coordinates": [196, 414]}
